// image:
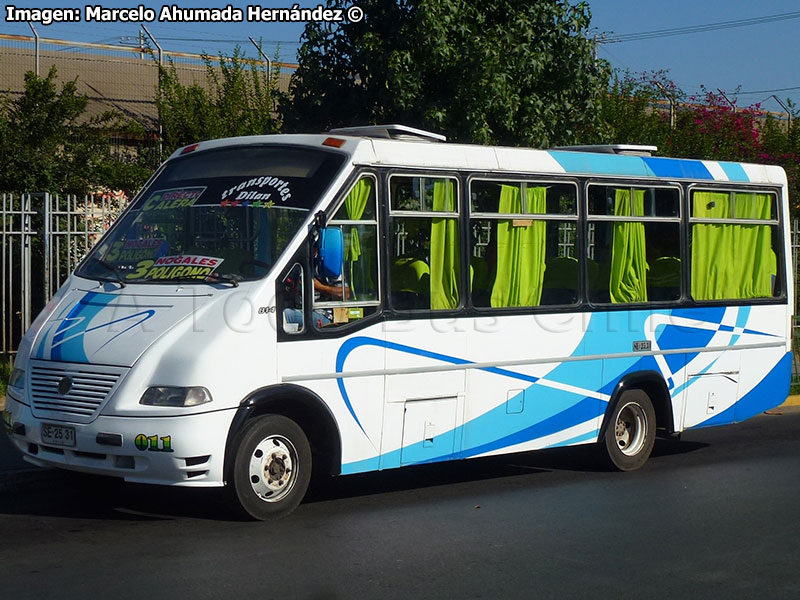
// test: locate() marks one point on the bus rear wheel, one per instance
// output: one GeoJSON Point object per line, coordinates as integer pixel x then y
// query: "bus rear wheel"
{"type": "Point", "coordinates": [631, 431]}
{"type": "Point", "coordinates": [271, 468]}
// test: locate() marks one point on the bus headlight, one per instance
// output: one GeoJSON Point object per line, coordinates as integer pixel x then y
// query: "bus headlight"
{"type": "Point", "coordinates": [17, 379]}
{"type": "Point", "coordinates": [175, 396]}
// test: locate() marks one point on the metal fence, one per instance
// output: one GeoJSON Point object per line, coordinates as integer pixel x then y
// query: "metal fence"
{"type": "Point", "coordinates": [44, 236]}
{"type": "Point", "coordinates": [112, 77]}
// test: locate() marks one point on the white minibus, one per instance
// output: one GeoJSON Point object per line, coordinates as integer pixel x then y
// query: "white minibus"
{"type": "Point", "coordinates": [375, 297]}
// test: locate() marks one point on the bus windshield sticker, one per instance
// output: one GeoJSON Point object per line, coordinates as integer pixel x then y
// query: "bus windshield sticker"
{"type": "Point", "coordinates": [135, 250]}
{"type": "Point", "coordinates": [257, 191]}
{"type": "Point", "coordinates": [175, 198]}
{"type": "Point", "coordinates": [188, 266]}
{"type": "Point", "coordinates": [131, 251]}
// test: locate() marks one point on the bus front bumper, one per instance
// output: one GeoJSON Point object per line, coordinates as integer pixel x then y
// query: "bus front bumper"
{"type": "Point", "coordinates": [185, 451]}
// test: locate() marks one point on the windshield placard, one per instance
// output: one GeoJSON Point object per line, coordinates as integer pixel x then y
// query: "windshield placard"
{"type": "Point", "coordinates": [131, 251]}
{"type": "Point", "coordinates": [257, 191]}
{"type": "Point", "coordinates": [183, 266]}
{"type": "Point", "coordinates": [174, 198]}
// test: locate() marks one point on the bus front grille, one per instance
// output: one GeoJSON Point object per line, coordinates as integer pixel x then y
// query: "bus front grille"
{"type": "Point", "coordinates": [71, 391]}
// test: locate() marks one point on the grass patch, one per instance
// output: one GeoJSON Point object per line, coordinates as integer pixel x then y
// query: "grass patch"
{"type": "Point", "coordinates": [5, 373]}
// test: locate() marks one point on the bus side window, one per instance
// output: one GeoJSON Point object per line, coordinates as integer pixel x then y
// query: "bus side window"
{"type": "Point", "coordinates": [424, 251]}
{"type": "Point", "coordinates": [633, 244]}
{"type": "Point", "coordinates": [523, 250]}
{"type": "Point", "coordinates": [354, 294]}
{"type": "Point", "coordinates": [734, 241]}
{"type": "Point", "coordinates": [292, 294]}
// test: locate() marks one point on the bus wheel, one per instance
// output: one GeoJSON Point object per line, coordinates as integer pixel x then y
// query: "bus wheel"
{"type": "Point", "coordinates": [631, 431]}
{"type": "Point", "coordinates": [271, 468]}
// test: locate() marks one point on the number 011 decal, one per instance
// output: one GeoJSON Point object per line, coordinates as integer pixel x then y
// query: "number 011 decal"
{"type": "Point", "coordinates": [153, 443]}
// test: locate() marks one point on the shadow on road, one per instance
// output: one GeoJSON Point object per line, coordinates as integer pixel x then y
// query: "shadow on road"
{"type": "Point", "coordinates": [578, 458]}
{"type": "Point", "coordinates": [57, 493]}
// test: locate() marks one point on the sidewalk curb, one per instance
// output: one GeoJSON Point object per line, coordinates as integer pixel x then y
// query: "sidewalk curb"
{"type": "Point", "coordinates": [791, 401]}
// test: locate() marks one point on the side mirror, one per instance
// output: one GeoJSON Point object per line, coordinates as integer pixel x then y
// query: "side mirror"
{"type": "Point", "coordinates": [330, 256]}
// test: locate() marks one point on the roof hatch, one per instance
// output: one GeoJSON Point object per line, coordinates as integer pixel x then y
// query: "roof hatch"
{"type": "Point", "coordinates": [393, 132]}
{"type": "Point", "coordinates": [629, 149]}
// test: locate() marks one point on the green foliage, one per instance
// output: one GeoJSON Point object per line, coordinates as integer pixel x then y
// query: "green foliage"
{"type": "Point", "coordinates": [503, 72]}
{"type": "Point", "coordinates": [238, 100]}
{"type": "Point", "coordinates": [712, 128]}
{"type": "Point", "coordinates": [5, 374]}
{"type": "Point", "coordinates": [48, 144]}
{"type": "Point", "coordinates": [632, 110]}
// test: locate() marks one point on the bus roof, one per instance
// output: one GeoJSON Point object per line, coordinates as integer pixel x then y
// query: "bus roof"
{"type": "Point", "coordinates": [373, 151]}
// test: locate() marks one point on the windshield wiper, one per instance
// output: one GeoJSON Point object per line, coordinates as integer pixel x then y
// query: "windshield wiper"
{"type": "Point", "coordinates": [108, 266]}
{"type": "Point", "coordinates": [224, 278]}
{"type": "Point", "coordinates": [211, 278]}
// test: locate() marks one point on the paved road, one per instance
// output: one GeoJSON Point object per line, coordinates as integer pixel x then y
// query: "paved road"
{"type": "Point", "coordinates": [716, 515]}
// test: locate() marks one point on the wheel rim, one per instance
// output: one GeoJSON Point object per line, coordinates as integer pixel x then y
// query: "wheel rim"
{"type": "Point", "coordinates": [630, 430]}
{"type": "Point", "coordinates": [273, 468]}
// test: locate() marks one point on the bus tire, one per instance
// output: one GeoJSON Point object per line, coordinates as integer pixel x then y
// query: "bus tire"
{"type": "Point", "coordinates": [271, 468]}
{"type": "Point", "coordinates": [631, 431]}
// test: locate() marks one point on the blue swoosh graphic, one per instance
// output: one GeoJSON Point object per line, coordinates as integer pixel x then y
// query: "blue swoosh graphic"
{"type": "Point", "coordinates": [356, 342]}
{"type": "Point", "coordinates": [491, 430]}
{"type": "Point", "coordinates": [67, 344]}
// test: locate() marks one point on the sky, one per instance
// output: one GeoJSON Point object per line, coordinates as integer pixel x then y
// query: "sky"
{"type": "Point", "coordinates": [758, 60]}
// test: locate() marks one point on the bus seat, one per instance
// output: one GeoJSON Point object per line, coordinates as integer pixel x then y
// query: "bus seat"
{"type": "Point", "coordinates": [410, 279]}
{"type": "Point", "coordinates": [598, 276]}
{"type": "Point", "coordinates": [560, 285]}
{"type": "Point", "coordinates": [479, 281]}
{"type": "Point", "coordinates": [664, 278]}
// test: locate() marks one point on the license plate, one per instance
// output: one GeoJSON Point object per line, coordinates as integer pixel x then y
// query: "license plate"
{"type": "Point", "coordinates": [58, 435]}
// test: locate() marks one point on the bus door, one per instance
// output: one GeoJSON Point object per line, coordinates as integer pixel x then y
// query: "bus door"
{"type": "Point", "coordinates": [331, 339]}
{"type": "Point", "coordinates": [425, 342]}
{"type": "Point", "coordinates": [424, 393]}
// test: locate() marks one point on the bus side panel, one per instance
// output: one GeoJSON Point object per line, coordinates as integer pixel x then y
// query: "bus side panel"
{"type": "Point", "coordinates": [513, 408]}
{"type": "Point", "coordinates": [734, 385]}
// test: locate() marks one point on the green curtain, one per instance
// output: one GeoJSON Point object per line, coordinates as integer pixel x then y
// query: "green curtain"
{"type": "Point", "coordinates": [520, 250]}
{"type": "Point", "coordinates": [355, 204]}
{"type": "Point", "coordinates": [628, 277]}
{"type": "Point", "coordinates": [729, 260]}
{"type": "Point", "coordinates": [444, 260]}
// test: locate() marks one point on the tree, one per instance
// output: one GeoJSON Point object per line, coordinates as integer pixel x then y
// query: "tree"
{"type": "Point", "coordinates": [501, 72]}
{"type": "Point", "coordinates": [632, 110]}
{"type": "Point", "coordinates": [780, 145]}
{"type": "Point", "coordinates": [709, 127]}
{"type": "Point", "coordinates": [47, 143]}
{"type": "Point", "coordinates": [239, 99]}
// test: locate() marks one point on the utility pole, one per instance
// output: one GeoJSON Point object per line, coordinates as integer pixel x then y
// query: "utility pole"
{"type": "Point", "coordinates": [36, 43]}
{"type": "Point", "coordinates": [728, 100]}
{"type": "Point", "coordinates": [788, 113]}
{"type": "Point", "coordinates": [160, 67]}
{"type": "Point", "coordinates": [671, 101]}
{"type": "Point", "coordinates": [264, 56]}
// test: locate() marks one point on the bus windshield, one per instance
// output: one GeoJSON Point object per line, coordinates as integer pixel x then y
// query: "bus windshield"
{"type": "Point", "coordinates": [218, 214]}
